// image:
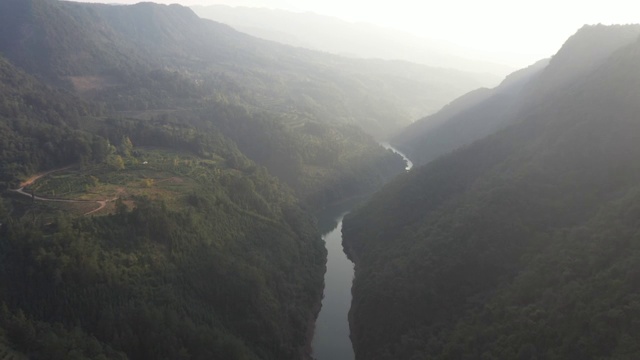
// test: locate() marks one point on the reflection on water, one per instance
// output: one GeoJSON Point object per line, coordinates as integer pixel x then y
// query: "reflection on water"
{"type": "Point", "coordinates": [408, 162]}
{"type": "Point", "coordinates": [329, 217]}
{"type": "Point", "coordinates": [331, 339]}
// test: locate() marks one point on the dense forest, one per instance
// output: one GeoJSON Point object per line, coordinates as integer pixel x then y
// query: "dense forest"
{"type": "Point", "coordinates": [157, 278]}
{"type": "Point", "coordinates": [522, 245]}
{"type": "Point", "coordinates": [173, 167]}
{"type": "Point", "coordinates": [159, 176]}
{"type": "Point", "coordinates": [306, 116]}
{"type": "Point", "coordinates": [165, 283]}
{"type": "Point", "coordinates": [113, 51]}
{"type": "Point", "coordinates": [41, 127]}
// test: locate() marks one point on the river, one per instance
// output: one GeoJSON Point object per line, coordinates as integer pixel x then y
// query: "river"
{"type": "Point", "coordinates": [331, 338]}
{"type": "Point", "coordinates": [408, 162]}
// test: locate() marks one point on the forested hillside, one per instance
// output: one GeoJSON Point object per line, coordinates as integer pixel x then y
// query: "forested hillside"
{"type": "Point", "coordinates": [41, 127]}
{"type": "Point", "coordinates": [484, 111]}
{"type": "Point", "coordinates": [158, 176]}
{"type": "Point", "coordinates": [299, 113]}
{"type": "Point", "coordinates": [523, 245]}
{"type": "Point", "coordinates": [322, 163]}
{"type": "Point", "coordinates": [111, 52]}
{"type": "Point", "coordinates": [202, 253]}
{"type": "Point", "coordinates": [165, 282]}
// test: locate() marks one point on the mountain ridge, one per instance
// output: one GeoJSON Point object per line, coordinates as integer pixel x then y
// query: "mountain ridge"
{"type": "Point", "coordinates": [324, 33]}
{"type": "Point", "coordinates": [538, 84]}
{"type": "Point", "coordinates": [508, 248]}
{"type": "Point", "coordinates": [221, 60]}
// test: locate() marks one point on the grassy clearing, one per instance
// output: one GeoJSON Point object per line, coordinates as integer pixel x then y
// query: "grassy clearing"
{"type": "Point", "coordinates": [158, 174]}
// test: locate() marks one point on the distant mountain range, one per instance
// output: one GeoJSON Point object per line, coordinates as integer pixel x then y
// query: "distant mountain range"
{"type": "Point", "coordinates": [361, 40]}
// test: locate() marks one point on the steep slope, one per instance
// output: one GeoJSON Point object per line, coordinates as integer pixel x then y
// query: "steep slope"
{"type": "Point", "coordinates": [152, 235]}
{"type": "Point", "coordinates": [475, 116]}
{"type": "Point", "coordinates": [581, 54]}
{"type": "Point", "coordinates": [306, 110]}
{"type": "Point", "coordinates": [322, 164]}
{"type": "Point", "coordinates": [47, 39]}
{"type": "Point", "coordinates": [114, 48]}
{"type": "Point", "coordinates": [466, 119]}
{"type": "Point", "coordinates": [215, 275]}
{"type": "Point", "coordinates": [522, 245]}
{"type": "Point", "coordinates": [203, 254]}
{"type": "Point", "coordinates": [40, 127]}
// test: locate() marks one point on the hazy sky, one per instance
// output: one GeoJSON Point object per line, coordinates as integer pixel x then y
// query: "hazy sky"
{"type": "Point", "coordinates": [513, 32]}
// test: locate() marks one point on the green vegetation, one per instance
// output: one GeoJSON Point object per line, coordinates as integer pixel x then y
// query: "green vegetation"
{"type": "Point", "coordinates": [296, 112]}
{"type": "Point", "coordinates": [191, 157]}
{"type": "Point", "coordinates": [164, 284]}
{"type": "Point", "coordinates": [203, 255]}
{"type": "Point", "coordinates": [321, 163]}
{"type": "Point", "coordinates": [40, 127]}
{"type": "Point", "coordinates": [523, 245]}
{"type": "Point", "coordinates": [148, 56]}
{"type": "Point", "coordinates": [180, 162]}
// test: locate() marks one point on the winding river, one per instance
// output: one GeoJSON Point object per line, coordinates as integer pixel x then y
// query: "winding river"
{"type": "Point", "coordinates": [408, 162]}
{"type": "Point", "coordinates": [331, 338]}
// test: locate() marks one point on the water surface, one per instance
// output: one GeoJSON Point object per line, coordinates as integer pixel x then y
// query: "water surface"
{"type": "Point", "coordinates": [408, 162]}
{"type": "Point", "coordinates": [331, 339]}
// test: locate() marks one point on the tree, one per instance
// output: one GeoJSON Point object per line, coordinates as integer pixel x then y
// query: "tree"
{"type": "Point", "coordinates": [115, 162]}
{"type": "Point", "coordinates": [126, 146]}
{"type": "Point", "coordinates": [99, 149]}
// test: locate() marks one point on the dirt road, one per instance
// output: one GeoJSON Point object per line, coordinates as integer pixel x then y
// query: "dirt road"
{"type": "Point", "coordinates": [101, 203]}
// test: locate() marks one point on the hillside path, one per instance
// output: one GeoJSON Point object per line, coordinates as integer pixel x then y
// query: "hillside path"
{"type": "Point", "coordinates": [101, 203]}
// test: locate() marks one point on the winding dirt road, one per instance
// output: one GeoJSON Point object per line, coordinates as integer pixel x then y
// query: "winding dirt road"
{"type": "Point", "coordinates": [101, 203]}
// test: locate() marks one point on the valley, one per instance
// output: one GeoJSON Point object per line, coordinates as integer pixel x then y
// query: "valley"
{"type": "Point", "coordinates": [173, 188]}
{"type": "Point", "coordinates": [173, 218]}
{"type": "Point", "coordinates": [332, 334]}
{"type": "Point", "coordinates": [512, 245]}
